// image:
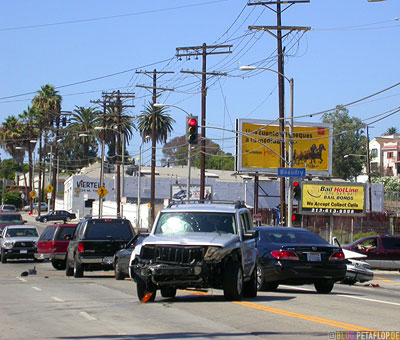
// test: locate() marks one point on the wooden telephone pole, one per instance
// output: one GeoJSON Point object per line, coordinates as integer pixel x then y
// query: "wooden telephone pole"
{"type": "Point", "coordinates": [281, 86]}
{"type": "Point", "coordinates": [203, 51]}
{"type": "Point", "coordinates": [154, 89]}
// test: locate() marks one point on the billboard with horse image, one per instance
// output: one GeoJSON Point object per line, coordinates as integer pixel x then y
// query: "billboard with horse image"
{"type": "Point", "coordinates": [258, 146]}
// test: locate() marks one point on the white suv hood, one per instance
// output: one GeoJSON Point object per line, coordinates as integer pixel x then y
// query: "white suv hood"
{"type": "Point", "coordinates": [194, 239]}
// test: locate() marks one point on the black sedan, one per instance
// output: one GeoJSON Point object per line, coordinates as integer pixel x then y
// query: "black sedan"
{"type": "Point", "coordinates": [295, 256]}
{"type": "Point", "coordinates": [122, 257]}
{"type": "Point", "coordinates": [56, 215]}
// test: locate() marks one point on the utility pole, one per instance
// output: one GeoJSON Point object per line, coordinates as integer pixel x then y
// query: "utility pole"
{"type": "Point", "coordinates": [154, 88]}
{"type": "Point", "coordinates": [195, 51]}
{"type": "Point", "coordinates": [281, 85]}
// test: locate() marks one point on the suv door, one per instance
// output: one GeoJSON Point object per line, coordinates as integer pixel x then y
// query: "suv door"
{"type": "Point", "coordinates": [248, 245]}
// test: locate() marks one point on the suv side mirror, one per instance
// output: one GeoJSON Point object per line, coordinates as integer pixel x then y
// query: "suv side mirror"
{"type": "Point", "coordinates": [250, 234]}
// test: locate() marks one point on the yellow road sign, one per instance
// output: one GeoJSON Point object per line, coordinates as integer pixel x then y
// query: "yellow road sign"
{"type": "Point", "coordinates": [102, 191]}
{"type": "Point", "coordinates": [49, 188]}
{"type": "Point", "coordinates": [32, 194]}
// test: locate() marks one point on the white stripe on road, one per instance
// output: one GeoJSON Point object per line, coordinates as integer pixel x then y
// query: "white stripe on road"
{"type": "Point", "coordinates": [348, 296]}
{"type": "Point", "coordinates": [371, 300]}
{"type": "Point", "coordinates": [57, 299]}
{"type": "Point", "coordinates": [87, 316]}
{"type": "Point", "coordinates": [36, 288]}
{"type": "Point", "coordinates": [21, 279]}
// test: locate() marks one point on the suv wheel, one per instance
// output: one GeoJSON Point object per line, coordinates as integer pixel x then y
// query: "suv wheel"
{"type": "Point", "coordinates": [324, 286]}
{"type": "Point", "coordinates": [3, 257]}
{"type": "Point", "coordinates": [58, 264]}
{"type": "Point", "coordinates": [233, 280]}
{"type": "Point", "coordinates": [78, 269]}
{"type": "Point", "coordinates": [69, 271]}
{"type": "Point", "coordinates": [168, 292]}
{"type": "Point", "coordinates": [119, 275]}
{"type": "Point", "coordinates": [141, 291]}
{"type": "Point", "coordinates": [250, 287]}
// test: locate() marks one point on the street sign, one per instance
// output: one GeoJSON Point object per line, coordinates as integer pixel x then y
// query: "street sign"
{"type": "Point", "coordinates": [32, 194]}
{"type": "Point", "coordinates": [102, 191]}
{"type": "Point", "coordinates": [49, 188]}
{"type": "Point", "coordinates": [257, 217]}
{"type": "Point", "coordinates": [291, 172]}
{"type": "Point", "coordinates": [49, 195]}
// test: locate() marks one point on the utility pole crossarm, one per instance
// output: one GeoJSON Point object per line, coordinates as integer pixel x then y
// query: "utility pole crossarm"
{"type": "Point", "coordinates": [281, 28]}
{"type": "Point", "coordinates": [206, 73]}
{"type": "Point", "coordinates": [274, 2]}
{"type": "Point", "coordinates": [157, 88]}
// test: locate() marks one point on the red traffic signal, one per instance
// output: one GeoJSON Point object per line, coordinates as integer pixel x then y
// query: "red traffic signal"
{"type": "Point", "coordinates": [192, 122]}
{"type": "Point", "coordinates": [192, 134]}
{"type": "Point", "coordinates": [296, 190]}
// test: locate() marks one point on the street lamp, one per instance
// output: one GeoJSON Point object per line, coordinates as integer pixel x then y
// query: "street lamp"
{"type": "Point", "coordinates": [138, 223]}
{"type": "Point", "coordinates": [290, 161]}
{"type": "Point", "coordinates": [189, 147]}
{"type": "Point", "coordinates": [101, 180]}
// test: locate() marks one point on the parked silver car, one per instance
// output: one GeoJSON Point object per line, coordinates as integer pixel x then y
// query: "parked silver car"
{"type": "Point", "coordinates": [18, 242]}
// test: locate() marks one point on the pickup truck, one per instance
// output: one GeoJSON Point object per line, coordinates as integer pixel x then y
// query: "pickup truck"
{"type": "Point", "coordinates": [94, 243]}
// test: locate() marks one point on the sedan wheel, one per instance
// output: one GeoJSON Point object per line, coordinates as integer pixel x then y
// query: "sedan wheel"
{"type": "Point", "coordinates": [324, 286]}
{"type": "Point", "coordinates": [68, 219]}
{"type": "Point", "coordinates": [44, 220]}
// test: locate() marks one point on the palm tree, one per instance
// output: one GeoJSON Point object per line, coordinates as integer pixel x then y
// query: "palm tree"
{"type": "Point", "coordinates": [163, 123]}
{"type": "Point", "coordinates": [48, 103]}
{"type": "Point", "coordinates": [390, 131]}
{"type": "Point", "coordinates": [10, 138]}
{"type": "Point", "coordinates": [83, 121]}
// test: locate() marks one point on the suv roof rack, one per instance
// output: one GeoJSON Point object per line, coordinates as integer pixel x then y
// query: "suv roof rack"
{"type": "Point", "coordinates": [237, 204]}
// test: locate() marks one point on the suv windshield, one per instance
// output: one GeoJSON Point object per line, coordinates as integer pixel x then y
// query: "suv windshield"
{"type": "Point", "coordinates": [113, 229]}
{"type": "Point", "coordinates": [171, 223]}
{"type": "Point", "coordinates": [22, 232]}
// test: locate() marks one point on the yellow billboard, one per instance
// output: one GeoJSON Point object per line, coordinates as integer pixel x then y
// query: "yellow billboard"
{"type": "Point", "coordinates": [259, 146]}
{"type": "Point", "coordinates": [332, 198]}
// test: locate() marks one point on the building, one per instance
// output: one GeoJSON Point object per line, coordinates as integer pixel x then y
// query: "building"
{"type": "Point", "coordinates": [385, 155]}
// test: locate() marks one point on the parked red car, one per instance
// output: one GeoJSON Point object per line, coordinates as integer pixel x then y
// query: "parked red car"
{"type": "Point", "coordinates": [383, 252]}
{"type": "Point", "coordinates": [53, 244]}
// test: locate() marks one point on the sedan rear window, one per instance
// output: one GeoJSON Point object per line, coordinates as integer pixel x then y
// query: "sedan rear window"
{"type": "Point", "coordinates": [291, 236]}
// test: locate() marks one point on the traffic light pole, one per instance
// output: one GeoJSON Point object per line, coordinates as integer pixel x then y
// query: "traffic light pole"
{"type": "Point", "coordinates": [290, 191]}
{"type": "Point", "coordinates": [189, 163]}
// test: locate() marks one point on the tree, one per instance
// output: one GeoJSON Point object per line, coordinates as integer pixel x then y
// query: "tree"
{"type": "Point", "coordinates": [390, 184]}
{"type": "Point", "coordinates": [348, 139]}
{"type": "Point", "coordinates": [83, 121]}
{"type": "Point", "coordinates": [175, 152]}
{"type": "Point", "coordinates": [390, 131]}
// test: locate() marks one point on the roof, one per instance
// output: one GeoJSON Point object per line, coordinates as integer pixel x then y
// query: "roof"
{"type": "Point", "coordinates": [206, 207]}
{"type": "Point", "coordinates": [16, 226]}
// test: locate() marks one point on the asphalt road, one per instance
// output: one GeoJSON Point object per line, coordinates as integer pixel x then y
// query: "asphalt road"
{"type": "Point", "coordinates": [50, 305]}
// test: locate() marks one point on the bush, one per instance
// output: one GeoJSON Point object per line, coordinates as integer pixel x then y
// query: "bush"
{"type": "Point", "coordinates": [357, 236]}
{"type": "Point", "coordinates": [13, 197]}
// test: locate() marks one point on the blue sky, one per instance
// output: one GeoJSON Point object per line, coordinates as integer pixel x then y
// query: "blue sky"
{"type": "Point", "coordinates": [351, 52]}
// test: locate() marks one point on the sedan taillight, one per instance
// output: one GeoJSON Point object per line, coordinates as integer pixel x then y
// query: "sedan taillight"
{"type": "Point", "coordinates": [337, 256]}
{"type": "Point", "coordinates": [81, 247]}
{"type": "Point", "coordinates": [284, 255]}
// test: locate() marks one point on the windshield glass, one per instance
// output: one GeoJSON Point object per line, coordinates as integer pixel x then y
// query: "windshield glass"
{"type": "Point", "coordinates": [10, 218]}
{"type": "Point", "coordinates": [22, 232]}
{"type": "Point", "coordinates": [172, 223]}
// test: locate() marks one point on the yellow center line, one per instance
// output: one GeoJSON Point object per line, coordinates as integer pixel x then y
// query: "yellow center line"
{"type": "Point", "coordinates": [382, 279]}
{"type": "Point", "coordinates": [311, 318]}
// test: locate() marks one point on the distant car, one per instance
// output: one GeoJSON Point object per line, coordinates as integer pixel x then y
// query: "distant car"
{"type": "Point", "coordinates": [383, 252]}
{"type": "Point", "coordinates": [296, 256]}
{"type": "Point", "coordinates": [10, 218]}
{"type": "Point", "coordinates": [56, 215]}
{"type": "Point", "coordinates": [180, 195]}
{"type": "Point", "coordinates": [18, 242]}
{"type": "Point", "coordinates": [53, 244]}
{"type": "Point", "coordinates": [7, 208]}
{"type": "Point", "coordinates": [122, 257]}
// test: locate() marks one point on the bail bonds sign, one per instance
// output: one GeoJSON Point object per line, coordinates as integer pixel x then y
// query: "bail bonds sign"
{"type": "Point", "coordinates": [332, 198]}
{"type": "Point", "coordinates": [258, 146]}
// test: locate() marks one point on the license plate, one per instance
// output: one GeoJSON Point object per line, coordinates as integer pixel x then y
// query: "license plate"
{"type": "Point", "coordinates": [23, 251]}
{"type": "Point", "coordinates": [314, 257]}
{"type": "Point", "coordinates": [108, 260]}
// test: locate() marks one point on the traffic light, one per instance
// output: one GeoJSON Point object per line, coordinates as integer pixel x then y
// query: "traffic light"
{"type": "Point", "coordinates": [296, 190]}
{"type": "Point", "coordinates": [192, 134]}
{"type": "Point", "coordinates": [296, 219]}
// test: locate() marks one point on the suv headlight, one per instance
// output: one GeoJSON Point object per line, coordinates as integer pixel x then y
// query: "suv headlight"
{"type": "Point", "coordinates": [8, 244]}
{"type": "Point", "coordinates": [212, 253]}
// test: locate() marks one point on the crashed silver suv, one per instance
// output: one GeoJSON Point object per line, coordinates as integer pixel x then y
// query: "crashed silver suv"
{"type": "Point", "coordinates": [198, 246]}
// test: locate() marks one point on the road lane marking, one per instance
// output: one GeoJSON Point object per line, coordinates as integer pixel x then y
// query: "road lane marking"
{"type": "Point", "coordinates": [311, 318]}
{"type": "Point", "coordinates": [36, 288]}
{"type": "Point", "coordinates": [21, 279]}
{"type": "Point", "coordinates": [87, 316]}
{"type": "Point", "coordinates": [367, 299]}
{"type": "Point", "coordinates": [382, 279]}
{"type": "Point", "coordinates": [57, 299]}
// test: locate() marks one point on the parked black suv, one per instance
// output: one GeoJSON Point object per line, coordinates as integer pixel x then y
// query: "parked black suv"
{"type": "Point", "coordinates": [94, 244]}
